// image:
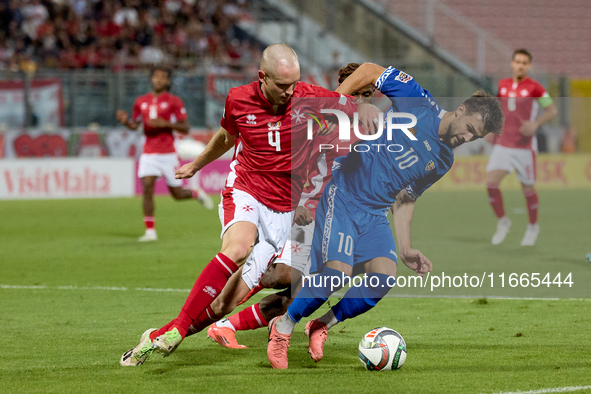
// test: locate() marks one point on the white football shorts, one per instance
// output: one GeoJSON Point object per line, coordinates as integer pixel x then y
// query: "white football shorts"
{"type": "Point", "coordinates": [273, 230]}
{"type": "Point", "coordinates": [160, 165]}
{"type": "Point", "coordinates": [523, 161]}
{"type": "Point", "coordinates": [296, 253]}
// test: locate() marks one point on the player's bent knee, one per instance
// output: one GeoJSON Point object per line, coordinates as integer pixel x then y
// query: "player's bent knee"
{"type": "Point", "coordinates": [237, 252]}
{"type": "Point", "coordinates": [280, 277]}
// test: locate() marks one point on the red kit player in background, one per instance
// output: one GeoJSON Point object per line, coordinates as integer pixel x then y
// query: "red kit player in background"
{"type": "Point", "coordinates": [257, 201]}
{"type": "Point", "coordinates": [516, 148]}
{"type": "Point", "coordinates": [161, 113]}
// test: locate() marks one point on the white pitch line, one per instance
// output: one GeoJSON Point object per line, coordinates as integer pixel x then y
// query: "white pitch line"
{"type": "Point", "coordinates": [271, 291]}
{"type": "Point", "coordinates": [550, 390]}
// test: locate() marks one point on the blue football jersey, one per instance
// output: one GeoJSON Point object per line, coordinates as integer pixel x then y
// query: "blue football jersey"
{"type": "Point", "coordinates": [374, 172]}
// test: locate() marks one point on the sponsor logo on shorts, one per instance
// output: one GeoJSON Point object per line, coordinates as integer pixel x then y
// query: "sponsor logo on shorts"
{"type": "Point", "coordinates": [247, 208]}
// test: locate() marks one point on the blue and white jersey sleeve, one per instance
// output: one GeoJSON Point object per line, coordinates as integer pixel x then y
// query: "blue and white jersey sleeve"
{"type": "Point", "coordinates": [396, 83]}
{"type": "Point", "coordinates": [404, 92]}
{"type": "Point", "coordinates": [417, 188]}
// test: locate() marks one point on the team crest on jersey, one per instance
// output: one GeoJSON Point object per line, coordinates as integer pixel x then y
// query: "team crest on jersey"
{"type": "Point", "coordinates": [299, 117]}
{"type": "Point", "coordinates": [144, 106]}
{"type": "Point", "coordinates": [251, 119]}
{"type": "Point", "coordinates": [274, 125]}
{"type": "Point", "coordinates": [524, 93]}
{"type": "Point", "coordinates": [403, 77]}
{"type": "Point", "coordinates": [163, 105]}
{"type": "Point", "coordinates": [430, 166]}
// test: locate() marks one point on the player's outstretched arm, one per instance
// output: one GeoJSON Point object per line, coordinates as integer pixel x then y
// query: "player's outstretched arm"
{"type": "Point", "coordinates": [159, 123]}
{"type": "Point", "coordinates": [123, 118]}
{"type": "Point", "coordinates": [220, 143]}
{"type": "Point", "coordinates": [403, 210]}
{"type": "Point", "coordinates": [366, 74]}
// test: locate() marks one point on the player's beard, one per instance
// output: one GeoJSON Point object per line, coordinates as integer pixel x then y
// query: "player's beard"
{"type": "Point", "coordinates": [448, 138]}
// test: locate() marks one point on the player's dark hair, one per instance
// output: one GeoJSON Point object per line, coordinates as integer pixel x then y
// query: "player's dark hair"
{"type": "Point", "coordinates": [522, 51]}
{"type": "Point", "coordinates": [168, 72]}
{"type": "Point", "coordinates": [344, 72]}
{"type": "Point", "coordinates": [489, 107]}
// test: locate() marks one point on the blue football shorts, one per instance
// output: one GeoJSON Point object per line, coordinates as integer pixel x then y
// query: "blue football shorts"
{"type": "Point", "coordinates": [346, 233]}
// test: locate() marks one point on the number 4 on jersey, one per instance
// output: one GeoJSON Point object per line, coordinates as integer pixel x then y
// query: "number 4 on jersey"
{"type": "Point", "coordinates": [274, 140]}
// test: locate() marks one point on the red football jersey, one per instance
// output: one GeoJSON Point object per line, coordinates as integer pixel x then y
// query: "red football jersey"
{"type": "Point", "coordinates": [268, 147]}
{"type": "Point", "coordinates": [520, 103]}
{"type": "Point", "coordinates": [166, 106]}
{"type": "Point", "coordinates": [321, 172]}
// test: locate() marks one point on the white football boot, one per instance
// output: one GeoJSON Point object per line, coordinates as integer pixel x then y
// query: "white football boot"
{"type": "Point", "coordinates": [139, 354]}
{"type": "Point", "coordinates": [150, 235]}
{"type": "Point", "coordinates": [503, 228]}
{"type": "Point", "coordinates": [531, 235]}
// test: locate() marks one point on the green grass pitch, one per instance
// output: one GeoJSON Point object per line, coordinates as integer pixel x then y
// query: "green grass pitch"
{"type": "Point", "coordinates": [92, 301]}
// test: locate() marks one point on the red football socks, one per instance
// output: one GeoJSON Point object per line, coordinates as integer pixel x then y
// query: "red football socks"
{"type": "Point", "coordinates": [205, 320]}
{"type": "Point", "coordinates": [149, 222]}
{"type": "Point", "coordinates": [496, 199]}
{"type": "Point", "coordinates": [531, 199]}
{"type": "Point", "coordinates": [208, 286]}
{"type": "Point", "coordinates": [248, 319]}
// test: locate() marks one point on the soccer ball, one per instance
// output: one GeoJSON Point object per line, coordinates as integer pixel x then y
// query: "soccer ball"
{"type": "Point", "coordinates": [382, 349]}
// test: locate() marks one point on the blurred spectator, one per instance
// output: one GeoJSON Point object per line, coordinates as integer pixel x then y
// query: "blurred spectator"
{"type": "Point", "coordinates": [125, 34]}
{"type": "Point", "coordinates": [153, 54]}
{"type": "Point", "coordinates": [125, 14]}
